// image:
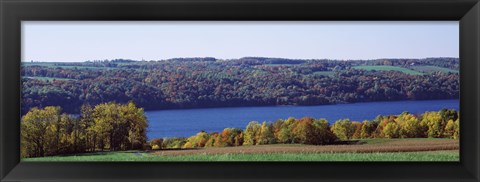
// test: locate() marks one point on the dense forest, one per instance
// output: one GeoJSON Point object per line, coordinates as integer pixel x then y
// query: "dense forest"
{"type": "Point", "coordinates": [249, 81]}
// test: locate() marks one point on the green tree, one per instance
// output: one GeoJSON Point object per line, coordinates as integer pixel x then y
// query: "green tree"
{"type": "Point", "coordinates": [322, 133]}
{"type": "Point", "coordinates": [343, 129]}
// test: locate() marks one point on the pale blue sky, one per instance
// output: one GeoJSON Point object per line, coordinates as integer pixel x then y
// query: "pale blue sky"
{"type": "Point", "coordinates": [155, 40]}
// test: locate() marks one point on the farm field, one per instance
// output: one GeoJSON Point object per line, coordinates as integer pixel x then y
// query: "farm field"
{"type": "Point", "coordinates": [48, 78]}
{"type": "Point", "coordinates": [54, 65]}
{"type": "Point", "coordinates": [324, 73]}
{"type": "Point", "coordinates": [430, 69]}
{"type": "Point", "coordinates": [355, 150]}
{"type": "Point", "coordinates": [388, 68]}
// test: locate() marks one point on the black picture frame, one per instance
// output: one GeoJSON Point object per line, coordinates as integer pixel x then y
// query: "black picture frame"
{"type": "Point", "coordinates": [12, 12]}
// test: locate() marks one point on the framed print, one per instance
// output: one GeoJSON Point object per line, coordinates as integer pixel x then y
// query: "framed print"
{"type": "Point", "coordinates": [239, 90]}
{"type": "Point", "coordinates": [306, 91]}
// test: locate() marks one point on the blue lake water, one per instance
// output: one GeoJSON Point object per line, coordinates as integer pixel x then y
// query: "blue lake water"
{"type": "Point", "coordinates": [188, 122]}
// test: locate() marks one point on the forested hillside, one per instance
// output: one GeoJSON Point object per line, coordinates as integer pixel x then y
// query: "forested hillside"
{"type": "Point", "coordinates": [250, 81]}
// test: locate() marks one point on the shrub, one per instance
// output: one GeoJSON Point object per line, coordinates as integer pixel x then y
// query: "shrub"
{"type": "Point", "coordinates": [174, 142]}
{"type": "Point", "coordinates": [156, 147]}
{"type": "Point", "coordinates": [156, 142]}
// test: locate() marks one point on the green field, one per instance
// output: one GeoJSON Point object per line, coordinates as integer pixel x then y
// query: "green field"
{"type": "Point", "coordinates": [143, 156]}
{"type": "Point", "coordinates": [52, 65]}
{"type": "Point", "coordinates": [279, 64]}
{"type": "Point", "coordinates": [324, 73]}
{"type": "Point", "coordinates": [429, 69]}
{"type": "Point", "coordinates": [416, 149]}
{"type": "Point", "coordinates": [48, 78]}
{"type": "Point", "coordinates": [388, 68]}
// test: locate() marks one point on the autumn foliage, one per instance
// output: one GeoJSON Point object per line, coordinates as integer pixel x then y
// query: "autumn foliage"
{"type": "Point", "coordinates": [108, 126]}
{"type": "Point", "coordinates": [112, 126]}
{"type": "Point", "coordinates": [442, 124]}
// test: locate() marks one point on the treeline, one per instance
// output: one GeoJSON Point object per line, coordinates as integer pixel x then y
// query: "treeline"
{"type": "Point", "coordinates": [109, 126]}
{"type": "Point", "coordinates": [442, 124]}
{"type": "Point", "coordinates": [251, 81]}
{"type": "Point", "coordinates": [446, 62]}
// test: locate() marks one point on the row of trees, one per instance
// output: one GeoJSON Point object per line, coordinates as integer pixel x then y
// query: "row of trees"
{"type": "Point", "coordinates": [108, 126]}
{"type": "Point", "coordinates": [304, 131]}
{"type": "Point", "coordinates": [221, 83]}
{"type": "Point", "coordinates": [112, 126]}
{"type": "Point", "coordinates": [442, 124]}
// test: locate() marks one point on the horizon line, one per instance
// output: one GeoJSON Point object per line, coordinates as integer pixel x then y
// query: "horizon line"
{"type": "Point", "coordinates": [306, 59]}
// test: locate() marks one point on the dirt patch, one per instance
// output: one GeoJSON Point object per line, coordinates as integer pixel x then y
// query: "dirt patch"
{"type": "Point", "coordinates": [389, 146]}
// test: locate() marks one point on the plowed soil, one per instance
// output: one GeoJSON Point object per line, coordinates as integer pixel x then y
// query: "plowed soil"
{"type": "Point", "coordinates": [398, 145]}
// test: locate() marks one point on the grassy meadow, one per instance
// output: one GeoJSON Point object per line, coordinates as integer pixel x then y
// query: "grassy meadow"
{"type": "Point", "coordinates": [139, 156]}
{"type": "Point", "coordinates": [389, 68]}
{"type": "Point", "coordinates": [429, 69]}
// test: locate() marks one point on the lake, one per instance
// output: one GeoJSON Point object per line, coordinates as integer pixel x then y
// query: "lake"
{"type": "Point", "coordinates": [188, 122]}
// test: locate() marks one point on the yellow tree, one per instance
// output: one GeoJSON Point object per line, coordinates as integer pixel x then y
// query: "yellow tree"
{"type": "Point", "coordinates": [251, 132]}
{"type": "Point", "coordinates": [266, 134]}
{"type": "Point", "coordinates": [456, 134]}
{"type": "Point", "coordinates": [382, 124]}
{"type": "Point", "coordinates": [285, 133]}
{"type": "Point", "coordinates": [409, 126]}
{"type": "Point", "coordinates": [120, 127]}
{"type": "Point", "coordinates": [86, 123]}
{"type": "Point", "coordinates": [39, 132]}
{"type": "Point", "coordinates": [137, 124]}
{"type": "Point", "coordinates": [452, 129]}
{"type": "Point", "coordinates": [368, 129]}
{"type": "Point", "coordinates": [434, 123]}
{"type": "Point", "coordinates": [391, 130]}
{"type": "Point", "coordinates": [212, 139]}
{"type": "Point", "coordinates": [197, 141]}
